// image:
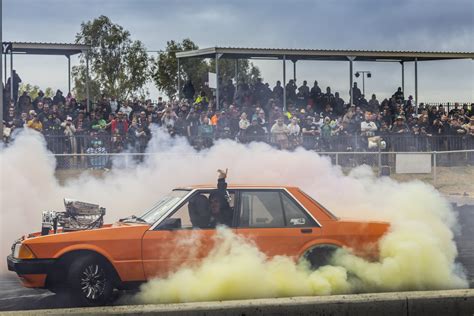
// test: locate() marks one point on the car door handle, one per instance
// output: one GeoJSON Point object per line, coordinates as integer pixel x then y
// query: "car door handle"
{"type": "Point", "coordinates": [306, 231]}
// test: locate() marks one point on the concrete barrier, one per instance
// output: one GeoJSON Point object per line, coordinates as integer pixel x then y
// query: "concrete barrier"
{"type": "Point", "coordinates": [450, 302]}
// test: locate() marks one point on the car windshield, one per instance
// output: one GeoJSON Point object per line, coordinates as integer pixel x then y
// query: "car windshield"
{"type": "Point", "coordinates": [164, 205]}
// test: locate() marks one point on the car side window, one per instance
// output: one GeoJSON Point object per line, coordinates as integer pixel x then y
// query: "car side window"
{"type": "Point", "coordinates": [295, 216]}
{"type": "Point", "coordinates": [195, 213]}
{"type": "Point", "coordinates": [261, 209]}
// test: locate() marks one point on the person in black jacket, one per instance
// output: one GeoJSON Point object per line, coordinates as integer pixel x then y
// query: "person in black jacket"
{"type": "Point", "coordinates": [221, 212]}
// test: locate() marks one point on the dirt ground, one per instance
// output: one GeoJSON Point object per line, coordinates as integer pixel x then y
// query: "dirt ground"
{"type": "Point", "coordinates": [450, 181]}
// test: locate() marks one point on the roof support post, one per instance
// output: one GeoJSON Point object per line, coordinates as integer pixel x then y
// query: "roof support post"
{"type": "Point", "coordinates": [88, 105]}
{"type": "Point", "coordinates": [236, 73]}
{"type": "Point", "coordinates": [1, 84]}
{"type": "Point", "coordinates": [179, 80]}
{"type": "Point", "coordinates": [68, 73]}
{"type": "Point", "coordinates": [416, 85]}
{"type": "Point", "coordinates": [294, 70]}
{"type": "Point", "coordinates": [5, 70]}
{"type": "Point", "coordinates": [403, 76]}
{"type": "Point", "coordinates": [351, 77]}
{"type": "Point", "coordinates": [11, 78]}
{"type": "Point", "coordinates": [217, 80]}
{"type": "Point", "coordinates": [284, 83]}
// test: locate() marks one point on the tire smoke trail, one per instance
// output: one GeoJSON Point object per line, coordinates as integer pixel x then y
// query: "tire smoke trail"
{"type": "Point", "coordinates": [418, 252]}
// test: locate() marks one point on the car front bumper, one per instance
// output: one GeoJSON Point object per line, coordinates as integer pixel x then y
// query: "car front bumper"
{"type": "Point", "coordinates": [29, 266]}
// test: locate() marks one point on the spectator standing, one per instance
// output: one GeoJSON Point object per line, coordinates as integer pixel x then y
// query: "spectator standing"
{"type": "Point", "coordinates": [338, 105]}
{"type": "Point", "coordinates": [24, 103]}
{"type": "Point", "coordinates": [188, 90]}
{"type": "Point", "coordinates": [69, 131]}
{"type": "Point", "coordinates": [243, 125]}
{"type": "Point", "coordinates": [315, 94]}
{"type": "Point", "coordinates": [310, 130]}
{"type": "Point", "coordinates": [373, 105]}
{"type": "Point", "coordinates": [356, 94]}
{"type": "Point", "coordinates": [16, 86]}
{"type": "Point", "coordinates": [278, 91]}
{"type": "Point", "coordinates": [255, 132]}
{"type": "Point", "coordinates": [294, 131]}
{"type": "Point", "coordinates": [59, 98]}
{"type": "Point", "coordinates": [205, 132]}
{"type": "Point", "coordinates": [398, 95]}
{"type": "Point", "coordinates": [303, 94]}
{"type": "Point", "coordinates": [34, 122]}
{"type": "Point", "coordinates": [291, 91]}
{"type": "Point", "coordinates": [280, 133]}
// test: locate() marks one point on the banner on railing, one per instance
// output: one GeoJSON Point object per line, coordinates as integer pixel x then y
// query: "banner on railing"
{"type": "Point", "coordinates": [413, 163]}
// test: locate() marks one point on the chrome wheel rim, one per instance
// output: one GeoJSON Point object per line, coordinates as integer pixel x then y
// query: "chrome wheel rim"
{"type": "Point", "coordinates": [93, 281]}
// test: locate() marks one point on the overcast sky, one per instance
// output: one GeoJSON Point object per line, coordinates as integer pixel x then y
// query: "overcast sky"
{"type": "Point", "coordinates": [425, 25]}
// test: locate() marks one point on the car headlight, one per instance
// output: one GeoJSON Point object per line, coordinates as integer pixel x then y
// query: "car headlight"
{"type": "Point", "coordinates": [21, 251]}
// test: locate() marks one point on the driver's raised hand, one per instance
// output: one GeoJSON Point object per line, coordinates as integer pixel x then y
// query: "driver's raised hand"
{"type": "Point", "coordinates": [222, 174]}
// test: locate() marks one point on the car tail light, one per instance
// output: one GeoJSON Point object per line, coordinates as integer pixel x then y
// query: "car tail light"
{"type": "Point", "coordinates": [22, 251]}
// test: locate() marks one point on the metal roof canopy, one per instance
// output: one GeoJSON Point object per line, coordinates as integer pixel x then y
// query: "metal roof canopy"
{"type": "Point", "coordinates": [323, 55]}
{"type": "Point", "coordinates": [39, 48]}
{"type": "Point", "coordinates": [47, 48]}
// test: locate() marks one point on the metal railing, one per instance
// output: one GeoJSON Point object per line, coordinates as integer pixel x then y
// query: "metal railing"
{"type": "Point", "coordinates": [394, 143]}
{"type": "Point", "coordinates": [383, 163]}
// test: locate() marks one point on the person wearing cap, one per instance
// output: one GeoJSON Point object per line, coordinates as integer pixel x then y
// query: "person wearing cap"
{"type": "Point", "coordinates": [399, 125]}
{"type": "Point", "coordinates": [34, 122]}
{"type": "Point", "coordinates": [255, 132]}
{"type": "Point", "coordinates": [69, 131]}
{"type": "Point", "coordinates": [326, 133]}
{"type": "Point", "coordinates": [309, 131]}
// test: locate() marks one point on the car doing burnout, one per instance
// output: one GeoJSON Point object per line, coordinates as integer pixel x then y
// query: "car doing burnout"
{"type": "Point", "coordinates": [76, 252]}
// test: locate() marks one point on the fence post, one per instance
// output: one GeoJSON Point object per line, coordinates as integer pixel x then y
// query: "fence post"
{"type": "Point", "coordinates": [434, 168]}
{"type": "Point", "coordinates": [380, 160]}
{"type": "Point", "coordinates": [337, 159]}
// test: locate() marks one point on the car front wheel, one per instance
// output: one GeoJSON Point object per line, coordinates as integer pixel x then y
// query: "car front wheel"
{"type": "Point", "coordinates": [90, 281]}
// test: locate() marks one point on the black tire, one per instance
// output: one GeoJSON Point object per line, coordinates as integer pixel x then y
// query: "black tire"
{"type": "Point", "coordinates": [320, 256]}
{"type": "Point", "coordinates": [90, 281]}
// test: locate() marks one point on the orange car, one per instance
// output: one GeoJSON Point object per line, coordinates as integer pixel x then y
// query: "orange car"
{"type": "Point", "coordinates": [76, 252]}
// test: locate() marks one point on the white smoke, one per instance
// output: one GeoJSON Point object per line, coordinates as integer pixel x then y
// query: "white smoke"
{"type": "Point", "coordinates": [418, 253]}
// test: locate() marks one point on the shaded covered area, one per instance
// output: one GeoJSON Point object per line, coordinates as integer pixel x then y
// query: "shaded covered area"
{"type": "Point", "coordinates": [37, 48]}
{"type": "Point", "coordinates": [295, 55]}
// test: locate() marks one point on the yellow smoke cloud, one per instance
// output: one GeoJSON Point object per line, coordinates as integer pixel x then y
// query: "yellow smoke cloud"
{"type": "Point", "coordinates": [236, 269]}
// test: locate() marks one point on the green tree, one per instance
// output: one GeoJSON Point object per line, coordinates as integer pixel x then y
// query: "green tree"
{"type": "Point", "coordinates": [246, 71]}
{"type": "Point", "coordinates": [118, 65]}
{"type": "Point", "coordinates": [34, 90]}
{"type": "Point", "coordinates": [165, 69]}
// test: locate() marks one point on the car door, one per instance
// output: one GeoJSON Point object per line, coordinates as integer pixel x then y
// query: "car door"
{"type": "Point", "coordinates": [177, 241]}
{"type": "Point", "coordinates": [275, 221]}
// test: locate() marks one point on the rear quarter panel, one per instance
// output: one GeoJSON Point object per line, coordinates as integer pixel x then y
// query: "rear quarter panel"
{"type": "Point", "coordinates": [360, 236]}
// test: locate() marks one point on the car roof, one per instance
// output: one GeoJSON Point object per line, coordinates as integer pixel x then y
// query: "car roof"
{"type": "Point", "coordinates": [237, 186]}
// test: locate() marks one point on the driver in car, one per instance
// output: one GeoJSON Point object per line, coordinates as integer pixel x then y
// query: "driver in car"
{"type": "Point", "coordinates": [221, 212]}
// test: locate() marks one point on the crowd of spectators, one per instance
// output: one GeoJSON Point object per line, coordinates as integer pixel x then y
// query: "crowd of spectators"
{"type": "Point", "coordinates": [314, 119]}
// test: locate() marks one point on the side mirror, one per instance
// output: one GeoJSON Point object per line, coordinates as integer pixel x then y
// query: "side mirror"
{"type": "Point", "coordinates": [170, 223]}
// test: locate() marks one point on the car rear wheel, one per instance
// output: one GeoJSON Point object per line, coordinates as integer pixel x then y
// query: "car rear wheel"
{"type": "Point", "coordinates": [320, 256]}
{"type": "Point", "coordinates": [90, 281]}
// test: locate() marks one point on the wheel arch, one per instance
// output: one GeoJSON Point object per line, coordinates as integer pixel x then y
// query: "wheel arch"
{"type": "Point", "coordinates": [326, 243]}
{"type": "Point", "coordinates": [59, 270]}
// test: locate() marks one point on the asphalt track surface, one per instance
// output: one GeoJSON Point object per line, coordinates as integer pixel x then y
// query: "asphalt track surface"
{"type": "Point", "coordinates": [15, 297]}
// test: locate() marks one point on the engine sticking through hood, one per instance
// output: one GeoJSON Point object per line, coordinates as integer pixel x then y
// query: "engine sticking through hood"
{"type": "Point", "coordinates": [78, 216]}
